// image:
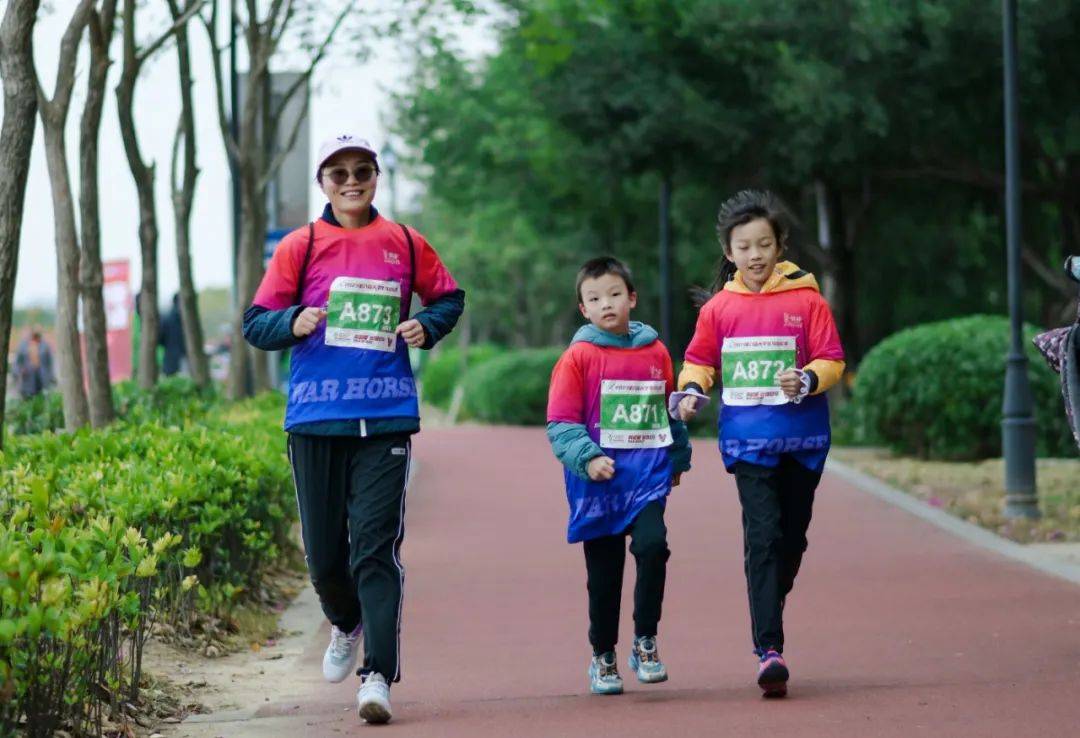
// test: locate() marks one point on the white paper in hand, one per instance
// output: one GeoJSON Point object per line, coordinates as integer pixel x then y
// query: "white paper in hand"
{"type": "Point", "coordinates": [675, 398]}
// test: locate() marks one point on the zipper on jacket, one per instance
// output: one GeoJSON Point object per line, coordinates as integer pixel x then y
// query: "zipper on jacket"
{"type": "Point", "coordinates": [363, 428]}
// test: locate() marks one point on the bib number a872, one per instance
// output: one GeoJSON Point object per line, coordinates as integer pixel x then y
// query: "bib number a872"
{"type": "Point", "coordinates": [759, 369]}
{"type": "Point", "coordinates": [751, 368]}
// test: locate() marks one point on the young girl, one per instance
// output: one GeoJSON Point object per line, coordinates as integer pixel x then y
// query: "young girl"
{"type": "Point", "coordinates": [771, 335]}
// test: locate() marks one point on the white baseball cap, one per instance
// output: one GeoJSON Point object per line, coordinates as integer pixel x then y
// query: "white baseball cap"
{"type": "Point", "coordinates": [343, 142]}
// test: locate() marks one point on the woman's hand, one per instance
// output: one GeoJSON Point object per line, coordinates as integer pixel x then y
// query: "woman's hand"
{"type": "Point", "coordinates": [307, 321]}
{"type": "Point", "coordinates": [413, 333]}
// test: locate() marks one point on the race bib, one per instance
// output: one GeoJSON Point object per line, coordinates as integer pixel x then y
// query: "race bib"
{"type": "Point", "coordinates": [751, 367]}
{"type": "Point", "coordinates": [363, 313]}
{"type": "Point", "coordinates": [633, 414]}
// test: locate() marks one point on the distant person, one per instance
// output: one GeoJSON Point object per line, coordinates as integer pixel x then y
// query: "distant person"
{"type": "Point", "coordinates": [337, 292]}
{"type": "Point", "coordinates": [33, 364]}
{"type": "Point", "coordinates": [770, 335]}
{"type": "Point", "coordinates": [608, 424]}
{"type": "Point", "coordinates": [171, 339]}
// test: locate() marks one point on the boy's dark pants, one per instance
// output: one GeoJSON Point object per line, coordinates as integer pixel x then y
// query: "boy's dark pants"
{"type": "Point", "coordinates": [776, 509]}
{"type": "Point", "coordinates": [605, 559]}
{"type": "Point", "coordinates": [351, 496]}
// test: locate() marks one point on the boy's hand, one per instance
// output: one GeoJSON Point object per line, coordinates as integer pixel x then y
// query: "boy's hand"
{"type": "Point", "coordinates": [413, 333]}
{"type": "Point", "coordinates": [687, 409]}
{"type": "Point", "coordinates": [307, 321]}
{"type": "Point", "coordinates": [791, 383]}
{"type": "Point", "coordinates": [601, 468]}
{"type": "Point", "coordinates": [676, 480]}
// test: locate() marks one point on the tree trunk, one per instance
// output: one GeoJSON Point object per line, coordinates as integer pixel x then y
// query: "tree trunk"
{"type": "Point", "coordinates": [16, 140]}
{"type": "Point", "coordinates": [144, 186]}
{"type": "Point", "coordinates": [254, 236]}
{"type": "Point", "coordinates": [251, 159]}
{"type": "Point", "coordinates": [837, 230]}
{"type": "Point", "coordinates": [68, 349]}
{"type": "Point", "coordinates": [183, 196]}
{"type": "Point", "coordinates": [54, 115]}
{"type": "Point", "coordinates": [90, 275]}
{"type": "Point", "coordinates": [247, 367]}
{"type": "Point", "coordinates": [829, 283]}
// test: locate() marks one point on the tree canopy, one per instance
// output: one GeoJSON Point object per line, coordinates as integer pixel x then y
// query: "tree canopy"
{"type": "Point", "coordinates": [880, 120]}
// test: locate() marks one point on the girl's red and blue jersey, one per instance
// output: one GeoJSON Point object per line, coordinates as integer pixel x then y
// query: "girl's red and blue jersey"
{"type": "Point", "coordinates": [353, 365]}
{"type": "Point", "coordinates": [749, 338]}
{"type": "Point", "coordinates": [620, 396]}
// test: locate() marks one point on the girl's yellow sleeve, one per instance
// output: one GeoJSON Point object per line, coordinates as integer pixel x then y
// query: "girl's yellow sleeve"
{"type": "Point", "coordinates": [828, 373]}
{"type": "Point", "coordinates": [701, 375]}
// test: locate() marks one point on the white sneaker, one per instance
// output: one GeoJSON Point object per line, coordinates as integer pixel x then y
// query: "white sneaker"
{"type": "Point", "coordinates": [339, 661]}
{"type": "Point", "coordinates": [373, 699]}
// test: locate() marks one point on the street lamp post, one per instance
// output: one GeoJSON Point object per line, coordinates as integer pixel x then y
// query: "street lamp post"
{"type": "Point", "coordinates": [1018, 423]}
{"type": "Point", "coordinates": [389, 160]}
{"type": "Point", "coordinates": [665, 259]}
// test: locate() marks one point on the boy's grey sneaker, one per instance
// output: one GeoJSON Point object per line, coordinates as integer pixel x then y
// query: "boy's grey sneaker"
{"type": "Point", "coordinates": [645, 660]}
{"type": "Point", "coordinates": [339, 661]}
{"type": "Point", "coordinates": [604, 674]}
{"type": "Point", "coordinates": [373, 699]}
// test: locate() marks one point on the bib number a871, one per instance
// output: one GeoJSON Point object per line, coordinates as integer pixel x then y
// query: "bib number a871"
{"type": "Point", "coordinates": [633, 414]}
{"type": "Point", "coordinates": [637, 414]}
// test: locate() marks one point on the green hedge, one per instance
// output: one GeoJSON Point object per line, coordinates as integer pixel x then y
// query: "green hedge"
{"type": "Point", "coordinates": [444, 371]}
{"type": "Point", "coordinates": [104, 532]}
{"type": "Point", "coordinates": [172, 401]}
{"type": "Point", "coordinates": [935, 391]}
{"type": "Point", "coordinates": [511, 389]}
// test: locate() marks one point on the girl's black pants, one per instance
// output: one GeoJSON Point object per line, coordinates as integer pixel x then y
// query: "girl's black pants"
{"type": "Point", "coordinates": [776, 507]}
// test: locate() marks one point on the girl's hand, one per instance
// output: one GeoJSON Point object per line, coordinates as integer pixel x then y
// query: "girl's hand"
{"type": "Point", "coordinates": [687, 409]}
{"type": "Point", "coordinates": [601, 468]}
{"type": "Point", "coordinates": [791, 383]}
{"type": "Point", "coordinates": [307, 321]}
{"type": "Point", "coordinates": [676, 480]}
{"type": "Point", "coordinates": [413, 333]}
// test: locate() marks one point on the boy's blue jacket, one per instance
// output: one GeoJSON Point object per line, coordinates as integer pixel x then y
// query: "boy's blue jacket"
{"type": "Point", "coordinates": [576, 443]}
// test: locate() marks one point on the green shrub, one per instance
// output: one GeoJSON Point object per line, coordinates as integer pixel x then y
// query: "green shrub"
{"type": "Point", "coordinates": [444, 371]}
{"type": "Point", "coordinates": [511, 389]}
{"type": "Point", "coordinates": [935, 391]}
{"type": "Point", "coordinates": [104, 532]}
{"type": "Point", "coordinates": [173, 401]}
{"type": "Point", "coordinates": [35, 414]}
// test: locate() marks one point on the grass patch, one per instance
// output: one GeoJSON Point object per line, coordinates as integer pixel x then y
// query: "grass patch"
{"type": "Point", "coordinates": [975, 491]}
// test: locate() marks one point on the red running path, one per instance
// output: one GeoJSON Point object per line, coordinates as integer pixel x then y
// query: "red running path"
{"type": "Point", "coordinates": [895, 628]}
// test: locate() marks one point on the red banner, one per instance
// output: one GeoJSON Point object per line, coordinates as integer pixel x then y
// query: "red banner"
{"type": "Point", "coordinates": [119, 304]}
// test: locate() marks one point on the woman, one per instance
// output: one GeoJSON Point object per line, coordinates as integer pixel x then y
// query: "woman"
{"type": "Point", "coordinates": [337, 292]}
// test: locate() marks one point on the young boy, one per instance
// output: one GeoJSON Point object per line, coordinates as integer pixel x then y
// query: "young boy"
{"type": "Point", "coordinates": [608, 425]}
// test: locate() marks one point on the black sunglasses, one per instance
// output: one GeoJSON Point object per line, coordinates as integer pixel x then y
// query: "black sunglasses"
{"type": "Point", "coordinates": [362, 174]}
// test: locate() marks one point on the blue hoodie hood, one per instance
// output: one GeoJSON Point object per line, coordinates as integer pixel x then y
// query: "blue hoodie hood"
{"type": "Point", "coordinates": [639, 335]}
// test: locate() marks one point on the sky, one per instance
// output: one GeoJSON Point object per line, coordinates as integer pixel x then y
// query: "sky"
{"type": "Point", "coordinates": [347, 95]}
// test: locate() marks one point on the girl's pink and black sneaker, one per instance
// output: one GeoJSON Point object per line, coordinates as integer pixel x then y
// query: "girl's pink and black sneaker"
{"type": "Point", "coordinates": [772, 674]}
